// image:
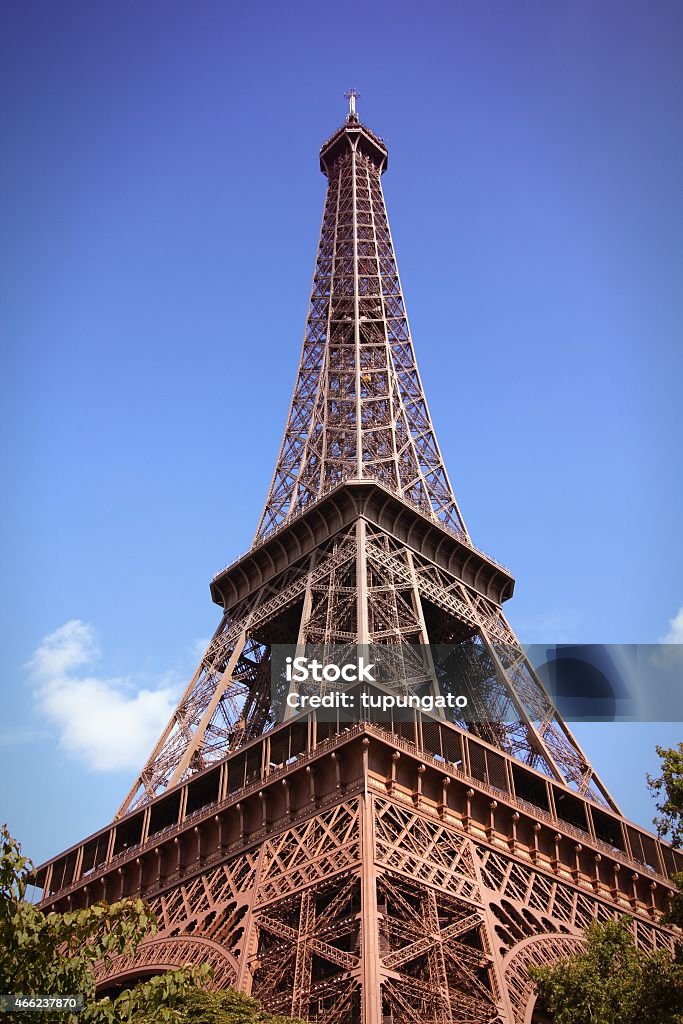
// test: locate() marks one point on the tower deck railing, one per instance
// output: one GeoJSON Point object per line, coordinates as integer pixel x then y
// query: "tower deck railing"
{"type": "Point", "coordinates": [428, 513]}
{"type": "Point", "coordinates": [213, 807]}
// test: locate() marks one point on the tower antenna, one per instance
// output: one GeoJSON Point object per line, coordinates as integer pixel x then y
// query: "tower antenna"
{"type": "Point", "coordinates": [352, 95]}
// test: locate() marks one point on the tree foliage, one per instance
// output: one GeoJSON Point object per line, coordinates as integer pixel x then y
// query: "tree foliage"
{"type": "Point", "coordinates": [668, 788]}
{"type": "Point", "coordinates": [611, 981]}
{"type": "Point", "coordinates": [56, 955]}
{"type": "Point", "coordinates": [226, 1007]}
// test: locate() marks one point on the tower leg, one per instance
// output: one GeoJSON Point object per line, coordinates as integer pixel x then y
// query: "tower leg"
{"type": "Point", "coordinates": [372, 997]}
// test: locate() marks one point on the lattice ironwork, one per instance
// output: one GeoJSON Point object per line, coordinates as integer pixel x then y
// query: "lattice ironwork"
{"type": "Point", "coordinates": [359, 413]}
{"type": "Point", "coordinates": [156, 955]}
{"type": "Point", "coordinates": [358, 410]}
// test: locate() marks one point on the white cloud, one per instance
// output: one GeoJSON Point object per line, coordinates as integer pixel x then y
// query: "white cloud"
{"type": "Point", "coordinates": [108, 724]}
{"type": "Point", "coordinates": [675, 634]}
{"type": "Point", "coordinates": [70, 646]}
{"type": "Point", "coordinates": [667, 654]}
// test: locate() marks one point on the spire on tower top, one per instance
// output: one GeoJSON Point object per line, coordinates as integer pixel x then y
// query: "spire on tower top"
{"type": "Point", "coordinates": [352, 95]}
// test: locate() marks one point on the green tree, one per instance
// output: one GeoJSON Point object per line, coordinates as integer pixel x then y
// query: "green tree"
{"type": "Point", "coordinates": [611, 981]}
{"type": "Point", "coordinates": [668, 788]}
{"type": "Point", "coordinates": [56, 954]}
{"type": "Point", "coordinates": [226, 1007]}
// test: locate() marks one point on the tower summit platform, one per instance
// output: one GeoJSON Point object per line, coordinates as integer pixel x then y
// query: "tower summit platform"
{"type": "Point", "coordinates": [356, 137]}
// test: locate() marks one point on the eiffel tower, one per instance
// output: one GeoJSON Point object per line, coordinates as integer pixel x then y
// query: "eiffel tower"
{"type": "Point", "coordinates": [402, 872]}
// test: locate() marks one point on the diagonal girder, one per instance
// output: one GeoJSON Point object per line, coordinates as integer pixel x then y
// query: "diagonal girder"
{"type": "Point", "coordinates": [420, 946]}
{"type": "Point", "coordinates": [284, 931]}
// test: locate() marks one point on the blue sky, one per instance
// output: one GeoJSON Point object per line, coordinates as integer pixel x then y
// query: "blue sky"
{"type": "Point", "coordinates": [160, 203]}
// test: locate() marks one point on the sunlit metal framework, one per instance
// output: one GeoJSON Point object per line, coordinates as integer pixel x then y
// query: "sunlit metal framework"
{"type": "Point", "coordinates": [358, 409]}
{"type": "Point", "coordinates": [371, 873]}
{"type": "Point", "coordinates": [358, 416]}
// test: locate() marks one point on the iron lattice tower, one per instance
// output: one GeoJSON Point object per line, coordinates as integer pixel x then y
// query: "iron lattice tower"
{"type": "Point", "coordinates": [369, 873]}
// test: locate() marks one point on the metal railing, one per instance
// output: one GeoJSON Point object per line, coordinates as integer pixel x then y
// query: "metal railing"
{"type": "Point", "coordinates": [428, 513]}
{"type": "Point", "coordinates": [330, 743]}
